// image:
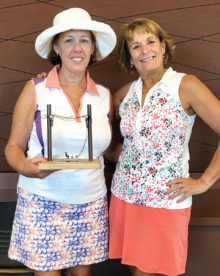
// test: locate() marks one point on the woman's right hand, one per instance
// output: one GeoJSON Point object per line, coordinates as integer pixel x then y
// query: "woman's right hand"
{"type": "Point", "coordinates": [42, 75]}
{"type": "Point", "coordinates": [30, 168]}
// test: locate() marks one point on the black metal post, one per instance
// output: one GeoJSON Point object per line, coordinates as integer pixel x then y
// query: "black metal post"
{"type": "Point", "coordinates": [49, 132]}
{"type": "Point", "coordinates": [89, 118]}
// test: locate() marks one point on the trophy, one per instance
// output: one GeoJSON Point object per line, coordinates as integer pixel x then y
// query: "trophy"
{"type": "Point", "coordinates": [69, 163]}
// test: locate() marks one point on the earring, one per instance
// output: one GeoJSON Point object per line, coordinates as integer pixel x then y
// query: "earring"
{"type": "Point", "coordinates": [131, 66]}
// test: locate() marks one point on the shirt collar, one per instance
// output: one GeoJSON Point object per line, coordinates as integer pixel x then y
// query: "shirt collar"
{"type": "Point", "coordinates": [167, 78]}
{"type": "Point", "coordinates": [53, 81]}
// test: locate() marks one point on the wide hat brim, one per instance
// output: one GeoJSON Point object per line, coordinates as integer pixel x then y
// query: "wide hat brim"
{"type": "Point", "coordinates": [104, 35]}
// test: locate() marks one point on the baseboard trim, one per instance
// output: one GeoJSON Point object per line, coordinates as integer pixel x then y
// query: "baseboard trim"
{"type": "Point", "coordinates": [15, 271]}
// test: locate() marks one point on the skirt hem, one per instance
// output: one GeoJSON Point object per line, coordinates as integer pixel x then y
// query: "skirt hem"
{"type": "Point", "coordinates": [58, 268]}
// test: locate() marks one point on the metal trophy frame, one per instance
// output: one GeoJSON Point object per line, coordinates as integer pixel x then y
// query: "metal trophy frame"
{"type": "Point", "coordinates": [69, 163]}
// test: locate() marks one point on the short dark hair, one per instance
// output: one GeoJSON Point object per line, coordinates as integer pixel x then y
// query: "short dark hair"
{"type": "Point", "coordinates": [126, 35]}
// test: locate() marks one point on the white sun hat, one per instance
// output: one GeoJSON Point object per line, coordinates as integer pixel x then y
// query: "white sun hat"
{"type": "Point", "coordinates": [77, 19]}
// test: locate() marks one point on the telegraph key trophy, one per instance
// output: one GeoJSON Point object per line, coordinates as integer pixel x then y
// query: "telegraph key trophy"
{"type": "Point", "coordinates": [69, 163]}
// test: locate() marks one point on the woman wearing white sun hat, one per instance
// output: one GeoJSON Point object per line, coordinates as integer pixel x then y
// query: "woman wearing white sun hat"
{"type": "Point", "coordinates": [61, 216]}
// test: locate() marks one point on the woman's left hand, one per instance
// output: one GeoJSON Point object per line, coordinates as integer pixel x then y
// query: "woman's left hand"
{"type": "Point", "coordinates": [186, 187]}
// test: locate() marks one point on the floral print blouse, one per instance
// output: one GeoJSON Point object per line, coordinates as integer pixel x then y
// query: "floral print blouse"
{"type": "Point", "coordinates": [155, 148]}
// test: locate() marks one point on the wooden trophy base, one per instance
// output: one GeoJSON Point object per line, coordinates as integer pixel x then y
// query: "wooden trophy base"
{"type": "Point", "coordinates": [71, 163]}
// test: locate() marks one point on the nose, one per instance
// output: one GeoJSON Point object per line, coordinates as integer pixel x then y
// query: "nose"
{"type": "Point", "coordinates": [77, 47]}
{"type": "Point", "coordinates": [145, 48]}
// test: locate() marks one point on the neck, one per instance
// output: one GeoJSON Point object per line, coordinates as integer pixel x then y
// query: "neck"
{"type": "Point", "coordinates": [151, 78]}
{"type": "Point", "coordinates": [72, 79]}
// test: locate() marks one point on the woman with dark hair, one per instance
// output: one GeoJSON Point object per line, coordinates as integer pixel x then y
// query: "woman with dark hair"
{"type": "Point", "coordinates": [151, 188]}
{"type": "Point", "coordinates": [61, 219]}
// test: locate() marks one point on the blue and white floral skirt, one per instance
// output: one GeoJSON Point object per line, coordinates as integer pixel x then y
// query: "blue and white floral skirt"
{"type": "Point", "coordinates": [48, 235]}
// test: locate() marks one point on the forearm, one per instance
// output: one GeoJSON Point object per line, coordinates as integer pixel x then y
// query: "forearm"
{"type": "Point", "coordinates": [15, 157]}
{"type": "Point", "coordinates": [212, 173]}
{"type": "Point", "coordinates": [115, 148]}
{"type": "Point", "coordinates": [113, 151]}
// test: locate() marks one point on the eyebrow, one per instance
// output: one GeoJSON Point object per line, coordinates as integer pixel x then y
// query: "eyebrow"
{"type": "Point", "coordinates": [80, 36]}
{"type": "Point", "coordinates": [134, 42]}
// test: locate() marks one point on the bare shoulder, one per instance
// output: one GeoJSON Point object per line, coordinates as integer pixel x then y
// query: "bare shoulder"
{"type": "Point", "coordinates": [192, 86]}
{"type": "Point", "coordinates": [196, 95]}
{"type": "Point", "coordinates": [28, 89]}
{"type": "Point", "coordinates": [23, 117]}
{"type": "Point", "coordinates": [195, 90]}
{"type": "Point", "coordinates": [26, 100]}
{"type": "Point", "coordinates": [188, 79]}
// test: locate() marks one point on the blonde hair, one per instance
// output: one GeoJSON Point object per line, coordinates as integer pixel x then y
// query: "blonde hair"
{"type": "Point", "coordinates": [146, 25]}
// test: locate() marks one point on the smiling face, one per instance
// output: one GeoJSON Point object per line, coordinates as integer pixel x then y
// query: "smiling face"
{"type": "Point", "coordinates": [75, 48]}
{"type": "Point", "coordinates": [146, 52]}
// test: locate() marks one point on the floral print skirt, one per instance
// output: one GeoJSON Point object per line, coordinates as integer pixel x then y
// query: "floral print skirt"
{"type": "Point", "coordinates": [49, 235]}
